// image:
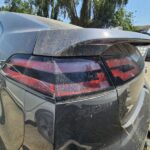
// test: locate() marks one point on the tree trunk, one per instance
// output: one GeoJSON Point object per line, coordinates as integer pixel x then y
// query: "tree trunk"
{"type": "Point", "coordinates": [84, 14]}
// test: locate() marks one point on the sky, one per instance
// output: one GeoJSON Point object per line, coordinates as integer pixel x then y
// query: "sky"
{"type": "Point", "coordinates": [140, 8]}
{"type": "Point", "coordinates": [1, 2]}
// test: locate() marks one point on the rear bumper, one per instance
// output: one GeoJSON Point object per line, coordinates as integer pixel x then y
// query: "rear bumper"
{"type": "Point", "coordinates": [93, 126]}
{"type": "Point", "coordinates": [87, 125]}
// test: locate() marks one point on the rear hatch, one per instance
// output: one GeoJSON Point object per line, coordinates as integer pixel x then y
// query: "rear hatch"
{"type": "Point", "coordinates": [85, 81]}
{"type": "Point", "coordinates": [120, 76]}
{"type": "Point", "coordinates": [125, 67]}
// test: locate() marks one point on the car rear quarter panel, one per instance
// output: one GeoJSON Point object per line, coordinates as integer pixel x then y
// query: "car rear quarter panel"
{"type": "Point", "coordinates": [12, 43]}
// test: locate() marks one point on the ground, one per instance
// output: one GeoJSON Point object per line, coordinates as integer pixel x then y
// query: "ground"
{"type": "Point", "coordinates": [147, 76]}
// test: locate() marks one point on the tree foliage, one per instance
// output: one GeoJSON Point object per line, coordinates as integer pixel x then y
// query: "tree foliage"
{"type": "Point", "coordinates": [92, 13]}
{"type": "Point", "coordinates": [42, 7]}
{"type": "Point", "coordinates": [123, 19]}
{"type": "Point", "coordinates": [85, 13]}
{"type": "Point", "coordinates": [21, 6]}
{"type": "Point", "coordinates": [104, 11]}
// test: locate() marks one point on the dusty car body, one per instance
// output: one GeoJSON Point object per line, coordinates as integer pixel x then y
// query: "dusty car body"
{"type": "Point", "coordinates": [63, 87]}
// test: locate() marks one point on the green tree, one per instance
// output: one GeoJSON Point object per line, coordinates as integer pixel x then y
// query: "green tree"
{"type": "Point", "coordinates": [104, 11]}
{"type": "Point", "coordinates": [18, 6]}
{"type": "Point", "coordinates": [124, 19]}
{"type": "Point", "coordinates": [85, 13]}
{"type": "Point", "coordinates": [47, 8]}
{"type": "Point", "coordinates": [42, 7]}
{"type": "Point", "coordinates": [92, 13]}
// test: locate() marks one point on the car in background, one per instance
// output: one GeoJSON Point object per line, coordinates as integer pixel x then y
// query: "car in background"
{"type": "Point", "coordinates": [63, 87]}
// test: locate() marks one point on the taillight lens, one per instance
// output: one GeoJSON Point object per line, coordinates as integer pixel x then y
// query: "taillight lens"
{"type": "Point", "coordinates": [123, 68]}
{"type": "Point", "coordinates": [124, 62]}
{"type": "Point", "coordinates": [56, 76]}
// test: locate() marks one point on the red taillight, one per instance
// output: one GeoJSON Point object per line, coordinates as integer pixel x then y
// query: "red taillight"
{"type": "Point", "coordinates": [57, 77]}
{"type": "Point", "coordinates": [123, 68]}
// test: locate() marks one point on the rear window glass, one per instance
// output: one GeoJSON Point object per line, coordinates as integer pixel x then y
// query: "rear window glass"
{"type": "Point", "coordinates": [125, 62]}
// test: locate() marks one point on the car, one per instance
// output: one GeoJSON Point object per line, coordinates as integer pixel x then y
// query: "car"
{"type": "Point", "coordinates": [63, 87]}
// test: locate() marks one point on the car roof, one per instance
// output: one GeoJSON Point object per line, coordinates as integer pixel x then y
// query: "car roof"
{"type": "Point", "coordinates": [44, 36]}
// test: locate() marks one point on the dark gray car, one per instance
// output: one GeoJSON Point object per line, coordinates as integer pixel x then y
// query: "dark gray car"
{"type": "Point", "coordinates": [63, 87]}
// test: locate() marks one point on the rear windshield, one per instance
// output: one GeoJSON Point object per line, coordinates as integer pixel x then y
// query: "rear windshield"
{"type": "Point", "coordinates": [125, 62]}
